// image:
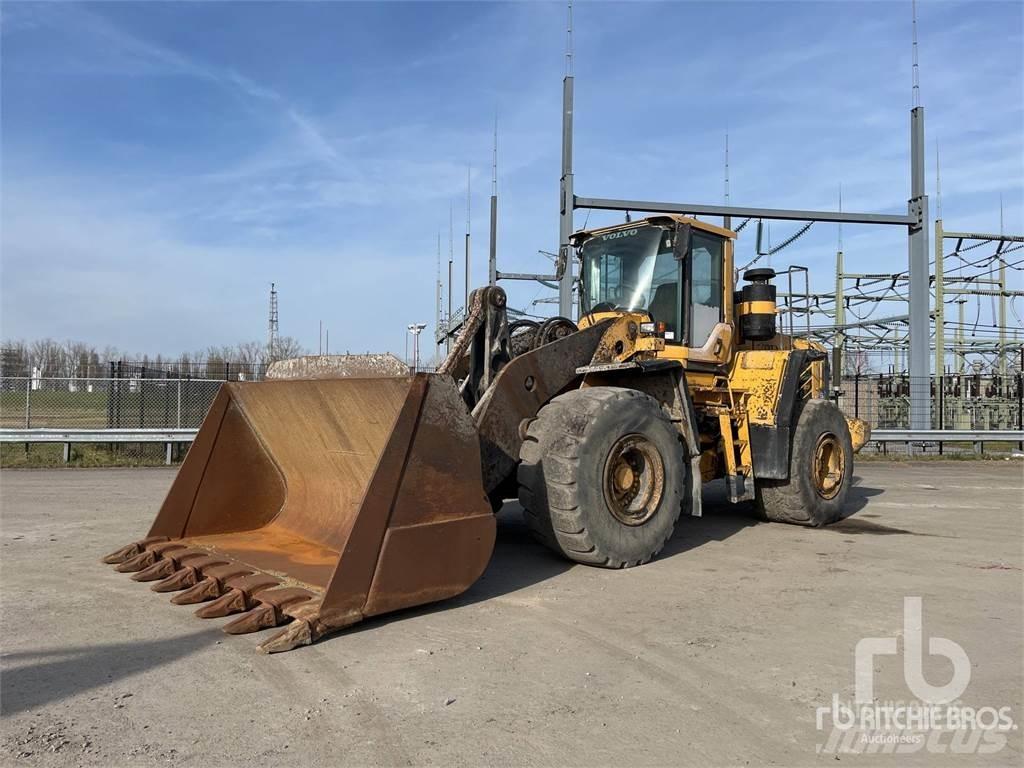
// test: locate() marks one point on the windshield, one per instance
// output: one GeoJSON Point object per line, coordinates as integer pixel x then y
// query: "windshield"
{"type": "Point", "coordinates": [633, 269]}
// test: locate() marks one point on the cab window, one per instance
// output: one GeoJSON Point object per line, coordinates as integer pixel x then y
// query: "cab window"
{"type": "Point", "coordinates": [706, 258]}
{"type": "Point", "coordinates": [631, 269]}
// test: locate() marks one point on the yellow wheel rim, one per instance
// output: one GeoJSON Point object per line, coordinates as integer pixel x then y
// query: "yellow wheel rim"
{"type": "Point", "coordinates": [634, 479]}
{"type": "Point", "coordinates": [829, 466]}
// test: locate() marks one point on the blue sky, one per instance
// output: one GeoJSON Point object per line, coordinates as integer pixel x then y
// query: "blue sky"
{"type": "Point", "coordinates": [164, 162]}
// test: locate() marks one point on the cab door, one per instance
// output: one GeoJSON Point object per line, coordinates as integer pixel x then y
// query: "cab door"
{"type": "Point", "coordinates": [708, 335]}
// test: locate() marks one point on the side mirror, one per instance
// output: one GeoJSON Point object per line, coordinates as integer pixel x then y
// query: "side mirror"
{"type": "Point", "coordinates": [681, 246]}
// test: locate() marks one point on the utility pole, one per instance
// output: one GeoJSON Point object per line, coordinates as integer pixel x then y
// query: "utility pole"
{"type": "Point", "coordinates": [959, 336]}
{"type": "Point", "coordinates": [437, 295]}
{"type": "Point", "coordinates": [415, 329]}
{"type": "Point", "coordinates": [1002, 317]}
{"type": "Point", "coordinates": [840, 315]}
{"type": "Point", "coordinates": [727, 220]}
{"type": "Point", "coordinates": [565, 228]}
{"type": "Point", "coordinates": [469, 172]}
{"type": "Point", "coordinates": [451, 261]}
{"type": "Point", "coordinates": [940, 276]}
{"type": "Point", "coordinates": [492, 257]}
{"type": "Point", "coordinates": [1002, 299]}
{"type": "Point", "coordinates": [839, 341]}
{"type": "Point", "coordinates": [920, 325]}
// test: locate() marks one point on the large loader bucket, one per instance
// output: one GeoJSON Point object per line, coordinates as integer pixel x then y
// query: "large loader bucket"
{"type": "Point", "coordinates": [317, 503]}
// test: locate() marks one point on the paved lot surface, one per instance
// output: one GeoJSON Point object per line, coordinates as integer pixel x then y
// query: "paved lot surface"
{"type": "Point", "coordinates": [717, 653]}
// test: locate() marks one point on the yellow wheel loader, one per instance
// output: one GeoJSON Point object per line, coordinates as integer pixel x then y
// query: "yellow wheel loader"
{"type": "Point", "coordinates": [316, 503]}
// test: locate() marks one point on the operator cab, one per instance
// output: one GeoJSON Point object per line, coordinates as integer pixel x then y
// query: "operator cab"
{"type": "Point", "coordinates": [670, 267]}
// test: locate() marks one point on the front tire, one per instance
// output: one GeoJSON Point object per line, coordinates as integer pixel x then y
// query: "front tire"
{"type": "Point", "coordinates": [820, 470]}
{"type": "Point", "coordinates": [602, 476]}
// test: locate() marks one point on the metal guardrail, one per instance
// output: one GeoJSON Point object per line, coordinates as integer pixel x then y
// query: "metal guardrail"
{"type": "Point", "coordinates": [169, 437]}
{"type": "Point", "coordinates": [947, 435]}
{"type": "Point", "coordinates": [914, 438]}
{"type": "Point", "coordinates": [97, 435]}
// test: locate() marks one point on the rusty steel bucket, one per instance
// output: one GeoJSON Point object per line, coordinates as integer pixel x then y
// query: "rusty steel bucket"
{"type": "Point", "coordinates": [317, 503]}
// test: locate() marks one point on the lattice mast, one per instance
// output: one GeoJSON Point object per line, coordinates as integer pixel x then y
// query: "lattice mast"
{"type": "Point", "coordinates": [272, 325]}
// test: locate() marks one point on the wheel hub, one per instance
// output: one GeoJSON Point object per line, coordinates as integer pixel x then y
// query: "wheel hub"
{"type": "Point", "coordinates": [634, 479]}
{"type": "Point", "coordinates": [829, 466]}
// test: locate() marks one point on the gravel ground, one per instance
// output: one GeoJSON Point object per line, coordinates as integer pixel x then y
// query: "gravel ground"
{"type": "Point", "coordinates": [718, 653]}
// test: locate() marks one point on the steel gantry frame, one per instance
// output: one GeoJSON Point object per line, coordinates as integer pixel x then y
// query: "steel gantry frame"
{"type": "Point", "coordinates": [941, 281]}
{"type": "Point", "coordinates": [915, 220]}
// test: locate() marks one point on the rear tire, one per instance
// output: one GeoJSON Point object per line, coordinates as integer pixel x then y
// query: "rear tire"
{"type": "Point", "coordinates": [602, 476]}
{"type": "Point", "coordinates": [820, 470]}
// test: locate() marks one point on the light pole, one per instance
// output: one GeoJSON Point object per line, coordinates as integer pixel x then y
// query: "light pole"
{"type": "Point", "coordinates": [415, 329]}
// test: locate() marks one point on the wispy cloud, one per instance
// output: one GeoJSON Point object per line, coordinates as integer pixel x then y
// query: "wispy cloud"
{"type": "Point", "coordinates": [163, 167]}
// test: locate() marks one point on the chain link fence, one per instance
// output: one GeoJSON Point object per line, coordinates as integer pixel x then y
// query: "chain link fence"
{"type": "Point", "coordinates": [137, 400]}
{"type": "Point", "coordinates": [964, 402]}
{"type": "Point", "coordinates": [105, 403]}
{"type": "Point", "coordinates": [225, 370]}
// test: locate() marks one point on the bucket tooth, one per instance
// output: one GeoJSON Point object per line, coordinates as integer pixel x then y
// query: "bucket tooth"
{"type": "Point", "coordinates": [164, 547]}
{"type": "Point", "coordinates": [213, 583]}
{"type": "Point", "coordinates": [305, 629]}
{"type": "Point", "coordinates": [139, 562]}
{"type": "Point", "coordinates": [271, 611]}
{"type": "Point", "coordinates": [189, 557]}
{"type": "Point", "coordinates": [239, 596]}
{"type": "Point", "coordinates": [252, 584]}
{"type": "Point", "coordinates": [159, 560]}
{"type": "Point", "coordinates": [261, 617]}
{"type": "Point", "coordinates": [190, 573]}
{"type": "Point", "coordinates": [215, 572]}
{"type": "Point", "coordinates": [131, 550]}
{"type": "Point", "coordinates": [167, 558]}
{"type": "Point", "coordinates": [183, 578]}
{"type": "Point", "coordinates": [207, 589]}
{"type": "Point", "coordinates": [285, 598]}
{"type": "Point", "coordinates": [232, 601]}
{"type": "Point", "coordinates": [226, 572]}
{"type": "Point", "coordinates": [298, 632]}
{"type": "Point", "coordinates": [122, 554]}
{"type": "Point", "coordinates": [161, 569]}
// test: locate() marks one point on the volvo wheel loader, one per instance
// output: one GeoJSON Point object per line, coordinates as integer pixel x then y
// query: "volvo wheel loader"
{"type": "Point", "coordinates": [316, 503]}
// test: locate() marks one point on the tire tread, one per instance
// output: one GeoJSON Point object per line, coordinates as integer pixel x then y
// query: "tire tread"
{"type": "Point", "coordinates": [555, 437]}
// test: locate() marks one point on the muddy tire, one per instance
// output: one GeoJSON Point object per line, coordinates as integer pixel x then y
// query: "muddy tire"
{"type": "Point", "coordinates": [820, 470]}
{"type": "Point", "coordinates": [602, 476]}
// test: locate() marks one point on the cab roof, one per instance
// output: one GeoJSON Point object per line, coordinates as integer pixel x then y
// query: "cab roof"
{"type": "Point", "coordinates": [661, 219]}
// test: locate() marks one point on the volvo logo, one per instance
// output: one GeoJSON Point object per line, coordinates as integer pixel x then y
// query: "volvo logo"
{"type": "Point", "coordinates": [620, 233]}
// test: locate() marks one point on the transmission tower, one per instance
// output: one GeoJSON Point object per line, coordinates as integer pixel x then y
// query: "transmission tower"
{"type": "Point", "coordinates": [272, 326]}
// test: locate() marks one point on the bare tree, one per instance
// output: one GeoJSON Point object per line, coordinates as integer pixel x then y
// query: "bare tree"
{"type": "Point", "coordinates": [289, 346]}
{"type": "Point", "coordinates": [45, 354]}
{"type": "Point", "coordinates": [76, 357]}
{"type": "Point", "coordinates": [250, 353]}
{"type": "Point", "coordinates": [184, 365]}
{"type": "Point", "coordinates": [218, 360]}
{"type": "Point", "coordinates": [856, 363]}
{"type": "Point", "coordinates": [14, 358]}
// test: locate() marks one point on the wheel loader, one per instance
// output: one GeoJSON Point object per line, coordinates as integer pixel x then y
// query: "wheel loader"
{"type": "Point", "coordinates": [316, 503]}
